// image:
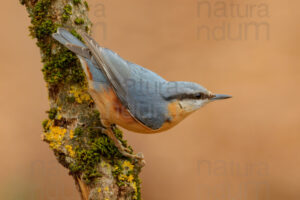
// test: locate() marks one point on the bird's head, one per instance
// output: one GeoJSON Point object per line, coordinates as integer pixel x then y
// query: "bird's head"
{"type": "Point", "coordinates": [191, 96]}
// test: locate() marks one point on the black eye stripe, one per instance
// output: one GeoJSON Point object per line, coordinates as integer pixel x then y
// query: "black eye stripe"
{"type": "Point", "coordinates": [201, 96]}
{"type": "Point", "coordinates": [189, 96]}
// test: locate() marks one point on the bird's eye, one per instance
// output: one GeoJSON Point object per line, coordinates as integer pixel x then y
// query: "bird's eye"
{"type": "Point", "coordinates": [198, 96]}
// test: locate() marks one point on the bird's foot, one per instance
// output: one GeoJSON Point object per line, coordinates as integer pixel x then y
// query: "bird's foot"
{"type": "Point", "coordinates": [126, 152]}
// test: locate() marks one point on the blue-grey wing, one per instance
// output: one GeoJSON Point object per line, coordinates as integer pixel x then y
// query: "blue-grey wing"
{"type": "Point", "coordinates": [139, 89]}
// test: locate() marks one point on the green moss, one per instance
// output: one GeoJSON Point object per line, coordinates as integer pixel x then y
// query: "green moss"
{"type": "Point", "coordinates": [76, 2]}
{"type": "Point", "coordinates": [46, 27]}
{"type": "Point", "coordinates": [76, 35]}
{"type": "Point", "coordinates": [52, 113]}
{"type": "Point", "coordinates": [138, 187]}
{"type": "Point", "coordinates": [63, 67]}
{"type": "Point", "coordinates": [87, 159]}
{"type": "Point", "coordinates": [79, 21]}
{"type": "Point", "coordinates": [78, 132]}
{"type": "Point", "coordinates": [42, 26]}
{"type": "Point", "coordinates": [68, 9]}
{"type": "Point", "coordinates": [59, 67]}
{"type": "Point", "coordinates": [86, 29]}
{"type": "Point", "coordinates": [41, 10]}
{"type": "Point", "coordinates": [92, 147]}
{"type": "Point", "coordinates": [44, 124]}
{"type": "Point", "coordinates": [86, 5]}
{"type": "Point", "coordinates": [105, 147]}
{"type": "Point", "coordinates": [67, 13]}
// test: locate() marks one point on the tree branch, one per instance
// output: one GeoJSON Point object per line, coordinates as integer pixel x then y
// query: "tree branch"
{"type": "Point", "coordinates": [99, 170]}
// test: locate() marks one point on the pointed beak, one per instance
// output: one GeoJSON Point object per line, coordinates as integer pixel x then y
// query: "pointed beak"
{"type": "Point", "coordinates": [220, 96]}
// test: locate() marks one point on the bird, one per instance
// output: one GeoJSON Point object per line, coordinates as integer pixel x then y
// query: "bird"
{"type": "Point", "coordinates": [132, 96]}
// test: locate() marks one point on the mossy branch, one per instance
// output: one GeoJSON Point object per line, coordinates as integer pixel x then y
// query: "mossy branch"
{"type": "Point", "coordinates": [99, 170]}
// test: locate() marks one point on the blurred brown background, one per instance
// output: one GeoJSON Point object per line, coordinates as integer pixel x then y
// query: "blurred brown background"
{"type": "Point", "coordinates": [245, 148]}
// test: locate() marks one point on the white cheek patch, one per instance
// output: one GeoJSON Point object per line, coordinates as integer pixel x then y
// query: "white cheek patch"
{"type": "Point", "coordinates": [190, 105]}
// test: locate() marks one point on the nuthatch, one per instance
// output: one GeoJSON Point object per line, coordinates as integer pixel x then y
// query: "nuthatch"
{"type": "Point", "coordinates": [131, 96]}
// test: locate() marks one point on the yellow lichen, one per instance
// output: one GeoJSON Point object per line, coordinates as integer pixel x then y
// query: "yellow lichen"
{"type": "Point", "coordinates": [133, 185]}
{"type": "Point", "coordinates": [99, 190]}
{"type": "Point", "coordinates": [122, 177]}
{"type": "Point", "coordinates": [106, 188]}
{"type": "Point", "coordinates": [49, 124]}
{"type": "Point", "coordinates": [55, 136]}
{"type": "Point", "coordinates": [59, 116]}
{"type": "Point", "coordinates": [70, 150]}
{"type": "Point", "coordinates": [80, 95]}
{"type": "Point", "coordinates": [127, 165]}
{"type": "Point", "coordinates": [71, 134]}
{"type": "Point", "coordinates": [130, 178]}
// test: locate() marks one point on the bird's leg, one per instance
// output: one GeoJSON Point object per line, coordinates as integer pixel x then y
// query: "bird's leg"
{"type": "Point", "coordinates": [123, 150]}
{"type": "Point", "coordinates": [109, 132]}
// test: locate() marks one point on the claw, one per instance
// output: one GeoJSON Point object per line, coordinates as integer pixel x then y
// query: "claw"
{"type": "Point", "coordinates": [140, 155]}
{"type": "Point", "coordinates": [140, 158]}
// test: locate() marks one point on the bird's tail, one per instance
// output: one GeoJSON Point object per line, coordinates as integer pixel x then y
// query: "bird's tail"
{"type": "Point", "coordinates": [64, 37]}
{"type": "Point", "coordinates": [71, 42]}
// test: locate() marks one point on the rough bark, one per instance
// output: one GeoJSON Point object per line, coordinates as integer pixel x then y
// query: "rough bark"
{"type": "Point", "coordinates": [72, 130]}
